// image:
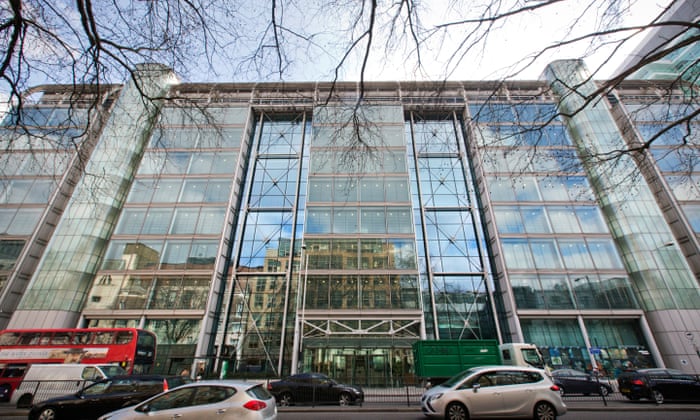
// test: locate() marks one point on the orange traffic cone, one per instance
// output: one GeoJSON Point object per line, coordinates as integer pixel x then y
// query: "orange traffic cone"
{"type": "Point", "coordinates": [165, 385]}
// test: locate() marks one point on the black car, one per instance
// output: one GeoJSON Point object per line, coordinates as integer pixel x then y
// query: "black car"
{"type": "Point", "coordinates": [314, 388]}
{"type": "Point", "coordinates": [572, 381]}
{"type": "Point", "coordinates": [660, 385]}
{"type": "Point", "coordinates": [104, 396]}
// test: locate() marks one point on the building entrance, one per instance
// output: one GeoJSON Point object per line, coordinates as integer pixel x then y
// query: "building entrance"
{"type": "Point", "coordinates": [382, 367]}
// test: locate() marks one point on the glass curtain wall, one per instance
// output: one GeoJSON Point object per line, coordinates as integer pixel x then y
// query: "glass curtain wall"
{"type": "Point", "coordinates": [259, 341]}
{"type": "Point", "coordinates": [162, 254]}
{"type": "Point", "coordinates": [558, 254]}
{"type": "Point", "coordinates": [454, 279]}
{"type": "Point", "coordinates": [360, 311]}
{"type": "Point", "coordinates": [31, 164]}
{"type": "Point", "coordinates": [62, 281]}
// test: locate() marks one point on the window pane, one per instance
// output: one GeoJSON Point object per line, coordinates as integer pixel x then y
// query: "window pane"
{"type": "Point", "coordinates": [184, 221]}
{"type": "Point", "coordinates": [157, 221]}
{"type": "Point", "coordinates": [344, 190]}
{"type": "Point", "coordinates": [23, 223]}
{"type": "Point", "coordinates": [167, 191]}
{"type": "Point", "coordinates": [536, 220]}
{"type": "Point", "coordinates": [508, 219]}
{"type": "Point", "coordinates": [321, 189]}
{"type": "Point", "coordinates": [517, 254]}
{"type": "Point", "coordinates": [202, 254]}
{"type": "Point", "coordinates": [372, 189]}
{"type": "Point", "coordinates": [575, 254]}
{"type": "Point", "coordinates": [373, 220]}
{"type": "Point", "coordinates": [318, 220]}
{"type": "Point", "coordinates": [345, 221]}
{"type": "Point", "coordinates": [545, 254]}
{"type": "Point", "coordinates": [218, 191]}
{"type": "Point", "coordinates": [175, 254]}
{"type": "Point", "coordinates": [211, 221]}
{"type": "Point", "coordinates": [564, 219]}
{"type": "Point", "coordinates": [396, 189]}
{"type": "Point", "coordinates": [399, 220]}
{"type": "Point", "coordinates": [202, 163]}
{"type": "Point", "coordinates": [604, 253]}
{"type": "Point", "coordinates": [131, 221]}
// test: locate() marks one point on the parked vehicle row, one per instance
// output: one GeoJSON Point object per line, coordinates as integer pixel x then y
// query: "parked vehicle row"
{"type": "Point", "coordinates": [659, 385]}
{"type": "Point", "coordinates": [480, 392]}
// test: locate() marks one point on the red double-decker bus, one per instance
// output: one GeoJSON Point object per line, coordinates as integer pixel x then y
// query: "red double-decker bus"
{"type": "Point", "coordinates": [131, 348]}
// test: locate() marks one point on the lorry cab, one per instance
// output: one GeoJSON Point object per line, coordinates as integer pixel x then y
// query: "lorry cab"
{"type": "Point", "coordinates": [521, 354]}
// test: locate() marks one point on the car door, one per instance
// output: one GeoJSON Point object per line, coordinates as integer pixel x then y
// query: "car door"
{"type": "Point", "coordinates": [680, 387]}
{"type": "Point", "coordinates": [486, 399]}
{"type": "Point", "coordinates": [98, 401]}
{"type": "Point", "coordinates": [581, 382]}
{"type": "Point", "coordinates": [517, 392]}
{"type": "Point", "coordinates": [174, 404]}
{"type": "Point", "coordinates": [324, 390]}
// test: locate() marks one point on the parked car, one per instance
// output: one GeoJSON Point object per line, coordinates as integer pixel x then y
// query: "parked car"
{"type": "Point", "coordinates": [572, 381]}
{"type": "Point", "coordinates": [314, 388]}
{"type": "Point", "coordinates": [495, 391]}
{"type": "Point", "coordinates": [659, 385]}
{"type": "Point", "coordinates": [104, 396]}
{"type": "Point", "coordinates": [221, 400]}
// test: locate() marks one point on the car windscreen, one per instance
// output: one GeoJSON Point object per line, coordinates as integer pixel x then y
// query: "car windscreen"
{"type": "Point", "coordinates": [112, 370]}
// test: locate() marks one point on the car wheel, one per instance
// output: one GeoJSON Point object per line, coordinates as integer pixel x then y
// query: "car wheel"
{"type": "Point", "coordinates": [286, 399]}
{"type": "Point", "coordinates": [657, 396]}
{"type": "Point", "coordinates": [48, 413]}
{"type": "Point", "coordinates": [25, 401]}
{"type": "Point", "coordinates": [344, 399]}
{"type": "Point", "coordinates": [604, 391]}
{"type": "Point", "coordinates": [456, 411]}
{"type": "Point", "coordinates": [545, 411]}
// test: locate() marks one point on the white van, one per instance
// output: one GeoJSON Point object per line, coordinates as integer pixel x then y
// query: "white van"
{"type": "Point", "coordinates": [44, 381]}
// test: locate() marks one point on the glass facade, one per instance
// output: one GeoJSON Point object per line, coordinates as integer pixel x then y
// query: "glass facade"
{"type": "Point", "coordinates": [259, 232]}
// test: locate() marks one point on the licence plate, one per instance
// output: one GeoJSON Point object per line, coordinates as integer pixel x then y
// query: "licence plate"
{"type": "Point", "coordinates": [624, 390]}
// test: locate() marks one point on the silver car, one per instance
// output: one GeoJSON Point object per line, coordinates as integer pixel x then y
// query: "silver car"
{"type": "Point", "coordinates": [495, 391]}
{"type": "Point", "coordinates": [203, 400]}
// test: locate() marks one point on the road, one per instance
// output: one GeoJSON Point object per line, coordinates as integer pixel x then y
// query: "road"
{"type": "Point", "coordinates": [574, 415]}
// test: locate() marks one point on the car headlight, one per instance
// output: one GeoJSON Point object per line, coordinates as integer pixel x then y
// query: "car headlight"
{"type": "Point", "coordinates": [435, 397]}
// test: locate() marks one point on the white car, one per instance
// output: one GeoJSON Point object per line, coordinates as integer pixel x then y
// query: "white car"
{"type": "Point", "coordinates": [222, 400]}
{"type": "Point", "coordinates": [495, 391]}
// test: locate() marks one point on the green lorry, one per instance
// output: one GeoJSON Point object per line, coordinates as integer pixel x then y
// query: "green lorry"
{"type": "Point", "coordinates": [437, 360]}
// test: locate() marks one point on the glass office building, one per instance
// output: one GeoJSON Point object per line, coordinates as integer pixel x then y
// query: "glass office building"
{"type": "Point", "coordinates": [263, 229]}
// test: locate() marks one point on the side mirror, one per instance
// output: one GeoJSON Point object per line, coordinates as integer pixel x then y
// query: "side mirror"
{"type": "Point", "coordinates": [476, 387]}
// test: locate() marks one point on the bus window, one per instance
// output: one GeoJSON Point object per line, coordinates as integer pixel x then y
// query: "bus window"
{"type": "Point", "coordinates": [8, 338]}
{"type": "Point", "coordinates": [103, 337]}
{"type": "Point", "coordinates": [45, 338]}
{"type": "Point", "coordinates": [13, 371]}
{"type": "Point", "coordinates": [60, 338]}
{"type": "Point", "coordinates": [29, 338]}
{"type": "Point", "coordinates": [124, 337]}
{"type": "Point", "coordinates": [81, 338]}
